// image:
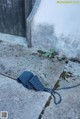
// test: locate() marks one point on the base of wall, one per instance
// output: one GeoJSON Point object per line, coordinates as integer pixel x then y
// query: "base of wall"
{"type": "Point", "coordinates": [17, 40]}
{"type": "Point", "coordinates": [13, 39]}
{"type": "Point", "coordinates": [45, 38]}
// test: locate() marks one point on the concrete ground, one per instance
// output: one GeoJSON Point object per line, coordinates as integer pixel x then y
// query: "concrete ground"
{"type": "Point", "coordinates": [23, 103]}
{"type": "Point", "coordinates": [14, 59]}
{"type": "Point", "coordinates": [69, 108]}
{"type": "Point", "coordinates": [20, 102]}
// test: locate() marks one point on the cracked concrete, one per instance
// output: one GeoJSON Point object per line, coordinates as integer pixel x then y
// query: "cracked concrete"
{"type": "Point", "coordinates": [19, 101]}
{"type": "Point", "coordinates": [14, 59]}
{"type": "Point", "coordinates": [69, 108]}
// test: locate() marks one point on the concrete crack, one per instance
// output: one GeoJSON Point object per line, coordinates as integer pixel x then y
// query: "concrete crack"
{"type": "Point", "coordinates": [46, 105]}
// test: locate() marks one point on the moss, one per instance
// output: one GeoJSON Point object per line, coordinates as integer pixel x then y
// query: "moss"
{"type": "Point", "coordinates": [51, 54]}
{"type": "Point", "coordinates": [57, 84]}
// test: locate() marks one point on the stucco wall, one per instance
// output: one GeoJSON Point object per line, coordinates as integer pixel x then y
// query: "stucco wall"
{"type": "Point", "coordinates": [57, 26]}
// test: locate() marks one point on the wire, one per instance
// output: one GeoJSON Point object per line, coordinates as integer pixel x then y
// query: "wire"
{"type": "Point", "coordinates": [70, 87]}
{"type": "Point", "coordinates": [54, 92]}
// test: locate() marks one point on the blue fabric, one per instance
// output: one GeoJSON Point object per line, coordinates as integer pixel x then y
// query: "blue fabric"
{"type": "Point", "coordinates": [31, 81]}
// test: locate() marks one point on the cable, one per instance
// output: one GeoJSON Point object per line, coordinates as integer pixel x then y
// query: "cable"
{"type": "Point", "coordinates": [70, 87]}
{"type": "Point", "coordinates": [53, 92]}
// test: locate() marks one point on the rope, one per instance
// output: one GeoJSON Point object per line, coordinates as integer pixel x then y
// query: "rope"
{"type": "Point", "coordinates": [54, 92]}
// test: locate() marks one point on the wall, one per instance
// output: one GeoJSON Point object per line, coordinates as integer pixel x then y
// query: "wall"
{"type": "Point", "coordinates": [57, 26]}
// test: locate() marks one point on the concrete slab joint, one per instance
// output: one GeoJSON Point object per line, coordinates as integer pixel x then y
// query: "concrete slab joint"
{"type": "Point", "coordinates": [29, 21]}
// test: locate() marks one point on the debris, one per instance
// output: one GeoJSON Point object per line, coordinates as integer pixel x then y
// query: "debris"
{"type": "Point", "coordinates": [51, 54]}
{"type": "Point", "coordinates": [57, 84]}
{"type": "Point", "coordinates": [65, 75]}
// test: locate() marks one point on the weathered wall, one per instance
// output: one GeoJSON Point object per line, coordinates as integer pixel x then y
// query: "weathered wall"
{"type": "Point", "coordinates": [12, 16]}
{"type": "Point", "coordinates": [57, 26]}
